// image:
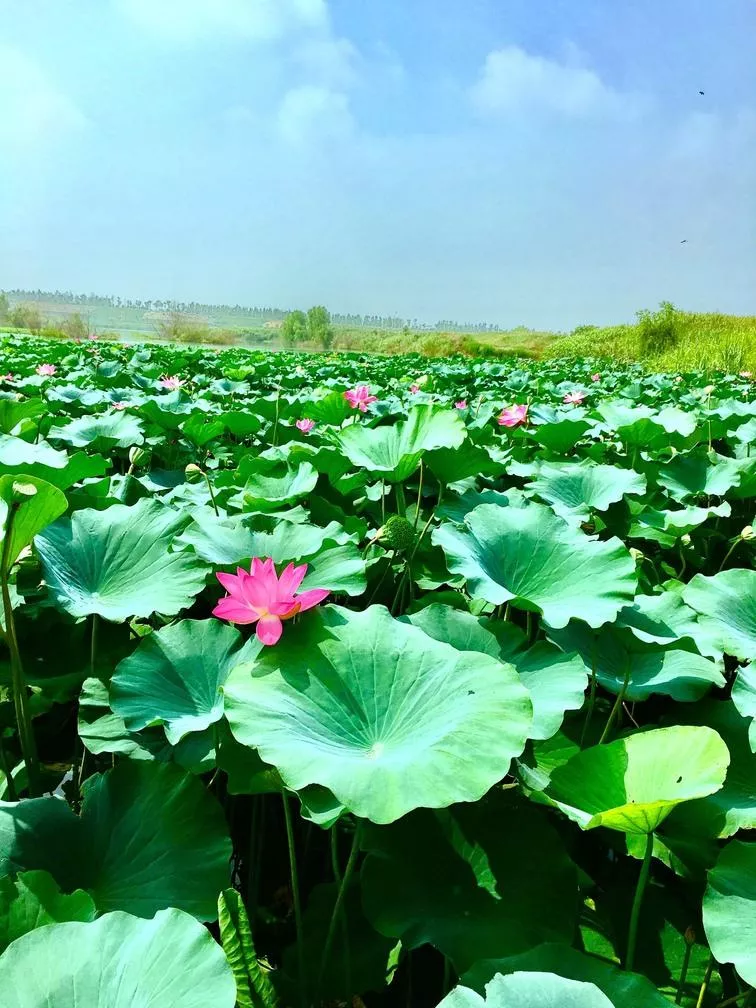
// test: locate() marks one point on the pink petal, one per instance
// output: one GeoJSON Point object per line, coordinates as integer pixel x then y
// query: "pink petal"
{"type": "Point", "coordinates": [290, 579]}
{"type": "Point", "coordinates": [269, 630]}
{"type": "Point", "coordinates": [235, 612]}
{"type": "Point", "coordinates": [230, 582]}
{"type": "Point", "coordinates": [311, 598]}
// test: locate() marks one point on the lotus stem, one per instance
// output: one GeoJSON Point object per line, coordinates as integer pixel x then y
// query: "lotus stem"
{"type": "Point", "coordinates": [10, 784]}
{"type": "Point", "coordinates": [212, 495]}
{"type": "Point", "coordinates": [419, 496]}
{"type": "Point", "coordinates": [705, 984]}
{"type": "Point", "coordinates": [295, 898]}
{"type": "Point", "coordinates": [18, 681]}
{"type": "Point", "coordinates": [638, 901]}
{"type": "Point", "coordinates": [684, 971]}
{"type": "Point", "coordinates": [743, 996]}
{"type": "Point", "coordinates": [591, 698]}
{"type": "Point", "coordinates": [616, 707]}
{"type": "Point", "coordinates": [729, 553]}
{"type": "Point", "coordinates": [340, 896]}
{"type": "Point", "coordinates": [401, 502]}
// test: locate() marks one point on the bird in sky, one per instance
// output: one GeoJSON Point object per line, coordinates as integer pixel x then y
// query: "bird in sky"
{"type": "Point", "coordinates": [684, 241]}
{"type": "Point", "coordinates": [702, 92]}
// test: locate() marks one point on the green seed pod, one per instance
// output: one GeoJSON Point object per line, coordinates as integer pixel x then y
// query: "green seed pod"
{"type": "Point", "coordinates": [22, 492]}
{"type": "Point", "coordinates": [398, 534]}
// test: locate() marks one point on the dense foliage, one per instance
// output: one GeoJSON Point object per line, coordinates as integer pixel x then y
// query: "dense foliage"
{"type": "Point", "coordinates": [373, 681]}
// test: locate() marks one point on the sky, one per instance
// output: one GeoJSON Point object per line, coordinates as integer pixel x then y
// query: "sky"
{"type": "Point", "coordinates": [546, 163]}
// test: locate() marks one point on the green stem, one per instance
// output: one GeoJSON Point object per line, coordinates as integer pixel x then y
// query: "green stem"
{"type": "Point", "coordinates": [729, 553]}
{"type": "Point", "coordinates": [341, 895]}
{"type": "Point", "coordinates": [684, 971]}
{"type": "Point", "coordinates": [616, 707]}
{"type": "Point", "coordinates": [212, 495]}
{"type": "Point", "coordinates": [335, 854]}
{"type": "Point", "coordinates": [419, 496]}
{"type": "Point", "coordinates": [383, 502]}
{"type": "Point", "coordinates": [93, 647]}
{"type": "Point", "coordinates": [401, 502]}
{"type": "Point", "coordinates": [705, 984]}
{"type": "Point", "coordinates": [274, 439]}
{"type": "Point", "coordinates": [18, 681]}
{"type": "Point", "coordinates": [637, 902]}
{"type": "Point", "coordinates": [295, 898]}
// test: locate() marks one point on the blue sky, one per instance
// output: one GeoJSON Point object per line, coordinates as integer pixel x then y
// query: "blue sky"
{"type": "Point", "coordinates": [513, 161]}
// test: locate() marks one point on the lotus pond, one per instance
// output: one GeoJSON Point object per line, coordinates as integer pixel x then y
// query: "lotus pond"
{"type": "Point", "coordinates": [374, 682]}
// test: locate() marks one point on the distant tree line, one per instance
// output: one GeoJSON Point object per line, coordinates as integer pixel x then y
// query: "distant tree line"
{"type": "Point", "coordinates": [263, 314]}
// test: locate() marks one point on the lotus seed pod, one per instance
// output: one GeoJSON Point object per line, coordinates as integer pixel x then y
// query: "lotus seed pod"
{"type": "Point", "coordinates": [685, 540]}
{"type": "Point", "coordinates": [397, 533]}
{"type": "Point", "coordinates": [636, 554]}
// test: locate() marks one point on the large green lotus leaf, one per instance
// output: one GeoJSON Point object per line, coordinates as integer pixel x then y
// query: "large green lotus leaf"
{"type": "Point", "coordinates": [72, 469]}
{"type": "Point", "coordinates": [744, 697]}
{"type": "Point", "coordinates": [698, 474]}
{"type": "Point", "coordinates": [729, 908]}
{"type": "Point", "coordinates": [176, 677]}
{"type": "Point", "coordinates": [667, 527]}
{"type": "Point", "coordinates": [624, 990]}
{"type": "Point", "coordinates": [106, 430]}
{"type": "Point", "coordinates": [229, 541]}
{"type": "Point", "coordinates": [574, 489]}
{"type": "Point", "coordinates": [733, 807]}
{"type": "Point", "coordinates": [13, 412]}
{"type": "Point", "coordinates": [530, 990]}
{"type": "Point", "coordinates": [15, 453]}
{"type": "Point", "coordinates": [103, 731]}
{"type": "Point", "coordinates": [726, 604]}
{"type": "Point", "coordinates": [118, 961]}
{"type": "Point", "coordinates": [35, 505]}
{"type": "Point", "coordinates": [449, 465]}
{"type": "Point", "coordinates": [620, 660]}
{"type": "Point", "coordinates": [383, 716]}
{"type": "Point", "coordinates": [118, 564]}
{"type": "Point", "coordinates": [556, 681]}
{"type": "Point", "coordinates": [149, 836]}
{"type": "Point", "coordinates": [32, 900]}
{"type": "Point", "coordinates": [562, 433]}
{"type": "Point", "coordinates": [395, 451]}
{"type": "Point", "coordinates": [470, 882]}
{"type": "Point", "coordinates": [634, 783]}
{"type": "Point", "coordinates": [665, 619]}
{"type": "Point", "coordinates": [532, 558]}
{"type": "Point", "coordinates": [267, 486]}
{"type": "Point", "coordinates": [200, 430]}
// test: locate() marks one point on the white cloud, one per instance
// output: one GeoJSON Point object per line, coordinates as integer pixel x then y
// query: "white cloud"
{"type": "Point", "coordinates": [36, 113]}
{"type": "Point", "coordinates": [189, 21]}
{"type": "Point", "coordinates": [514, 80]}
{"type": "Point", "coordinates": [312, 113]}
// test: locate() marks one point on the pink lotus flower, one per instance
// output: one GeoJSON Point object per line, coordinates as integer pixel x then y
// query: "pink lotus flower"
{"type": "Point", "coordinates": [262, 597]}
{"type": "Point", "coordinates": [512, 416]}
{"type": "Point", "coordinates": [93, 336]}
{"type": "Point", "coordinates": [7, 377]}
{"type": "Point", "coordinates": [119, 405]}
{"type": "Point", "coordinates": [171, 382]}
{"type": "Point", "coordinates": [595, 377]}
{"type": "Point", "coordinates": [360, 398]}
{"type": "Point", "coordinates": [305, 425]}
{"type": "Point", "coordinates": [414, 389]}
{"type": "Point", "coordinates": [47, 370]}
{"type": "Point", "coordinates": [462, 404]}
{"type": "Point", "coordinates": [574, 397]}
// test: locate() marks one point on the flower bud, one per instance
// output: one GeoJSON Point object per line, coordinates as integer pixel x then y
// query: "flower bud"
{"type": "Point", "coordinates": [690, 936]}
{"type": "Point", "coordinates": [193, 473]}
{"type": "Point", "coordinates": [685, 540]}
{"type": "Point", "coordinates": [748, 533]}
{"type": "Point", "coordinates": [139, 456]}
{"type": "Point", "coordinates": [636, 554]}
{"type": "Point", "coordinates": [21, 492]}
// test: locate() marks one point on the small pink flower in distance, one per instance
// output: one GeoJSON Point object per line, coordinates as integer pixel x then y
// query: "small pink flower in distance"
{"type": "Point", "coordinates": [414, 389]}
{"type": "Point", "coordinates": [47, 370]}
{"type": "Point", "coordinates": [260, 596]}
{"type": "Point", "coordinates": [574, 397]}
{"type": "Point", "coordinates": [93, 336]}
{"type": "Point", "coordinates": [512, 416]}
{"type": "Point", "coordinates": [595, 377]}
{"type": "Point", "coordinates": [7, 377]}
{"type": "Point", "coordinates": [462, 404]}
{"type": "Point", "coordinates": [305, 425]}
{"type": "Point", "coordinates": [745, 374]}
{"type": "Point", "coordinates": [360, 398]}
{"type": "Point", "coordinates": [119, 405]}
{"type": "Point", "coordinates": [171, 382]}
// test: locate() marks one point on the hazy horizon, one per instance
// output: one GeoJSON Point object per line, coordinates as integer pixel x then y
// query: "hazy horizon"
{"type": "Point", "coordinates": [476, 161]}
